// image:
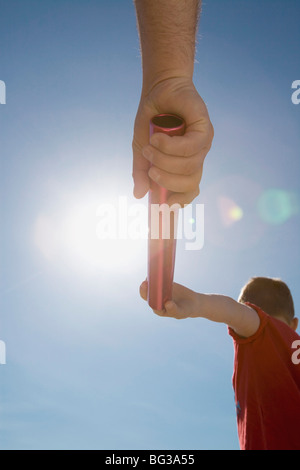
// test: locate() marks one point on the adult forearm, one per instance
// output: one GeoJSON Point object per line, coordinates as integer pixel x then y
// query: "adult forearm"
{"type": "Point", "coordinates": [167, 30]}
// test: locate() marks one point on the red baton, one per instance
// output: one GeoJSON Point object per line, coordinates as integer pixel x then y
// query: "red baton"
{"type": "Point", "coordinates": [162, 224]}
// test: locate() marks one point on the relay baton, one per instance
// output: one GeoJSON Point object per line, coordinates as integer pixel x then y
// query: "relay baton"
{"type": "Point", "coordinates": [161, 243]}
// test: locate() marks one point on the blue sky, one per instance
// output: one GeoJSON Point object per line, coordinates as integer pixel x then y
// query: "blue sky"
{"type": "Point", "coordinates": [88, 366]}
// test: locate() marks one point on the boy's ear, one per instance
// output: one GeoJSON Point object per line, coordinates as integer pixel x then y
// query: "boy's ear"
{"type": "Point", "coordinates": [294, 324]}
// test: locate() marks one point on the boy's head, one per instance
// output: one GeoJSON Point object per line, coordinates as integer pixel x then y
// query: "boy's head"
{"type": "Point", "coordinates": [273, 296]}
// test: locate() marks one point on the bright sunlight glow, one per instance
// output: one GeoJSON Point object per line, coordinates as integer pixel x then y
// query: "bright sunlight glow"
{"type": "Point", "coordinates": [67, 236]}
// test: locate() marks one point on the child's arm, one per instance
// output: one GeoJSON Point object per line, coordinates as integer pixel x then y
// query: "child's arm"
{"type": "Point", "coordinates": [189, 304]}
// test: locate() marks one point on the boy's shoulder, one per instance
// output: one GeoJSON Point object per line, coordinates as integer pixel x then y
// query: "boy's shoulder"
{"type": "Point", "coordinates": [273, 326]}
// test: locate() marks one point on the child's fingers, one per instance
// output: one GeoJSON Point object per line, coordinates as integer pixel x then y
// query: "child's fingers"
{"type": "Point", "coordinates": [160, 313]}
{"type": "Point", "coordinates": [143, 294]}
{"type": "Point", "coordinates": [172, 310]}
{"type": "Point", "coordinates": [144, 290]}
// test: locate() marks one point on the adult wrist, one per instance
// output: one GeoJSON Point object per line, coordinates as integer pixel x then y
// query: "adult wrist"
{"type": "Point", "coordinates": [164, 76]}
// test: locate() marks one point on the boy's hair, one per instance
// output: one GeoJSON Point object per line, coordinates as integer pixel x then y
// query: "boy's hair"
{"type": "Point", "coordinates": [272, 295]}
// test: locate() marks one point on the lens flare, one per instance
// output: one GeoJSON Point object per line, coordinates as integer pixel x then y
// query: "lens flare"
{"type": "Point", "coordinates": [276, 206]}
{"type": "Point", "coordinates": [236, 213]}
{"type": "Point", "coordinates": [231, 218]}
{"type": "Point", "coordinates": [230, 212]}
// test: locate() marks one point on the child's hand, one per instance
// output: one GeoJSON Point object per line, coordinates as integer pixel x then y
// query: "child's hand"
{"type": "Point", "coordinates": [184, 304]}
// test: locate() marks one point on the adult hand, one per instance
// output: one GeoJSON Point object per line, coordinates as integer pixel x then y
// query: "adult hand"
{"type": "Point", "coordinates": [175, 163]}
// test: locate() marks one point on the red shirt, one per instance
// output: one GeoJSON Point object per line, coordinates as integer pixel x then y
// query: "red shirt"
{"type": "Point", "coordinates": [266, 382]}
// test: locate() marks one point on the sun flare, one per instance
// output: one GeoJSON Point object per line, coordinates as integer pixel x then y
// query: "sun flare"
{"type": "Point", "coordinates": [70, 236]}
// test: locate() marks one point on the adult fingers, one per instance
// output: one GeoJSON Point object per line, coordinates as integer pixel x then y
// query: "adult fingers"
{"type": "Point", "coordinates": [191, 143]}
{"type": "Point", "coordinates": [174, 164]}
{"type": "Point", "coordinates": [176, 183]}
